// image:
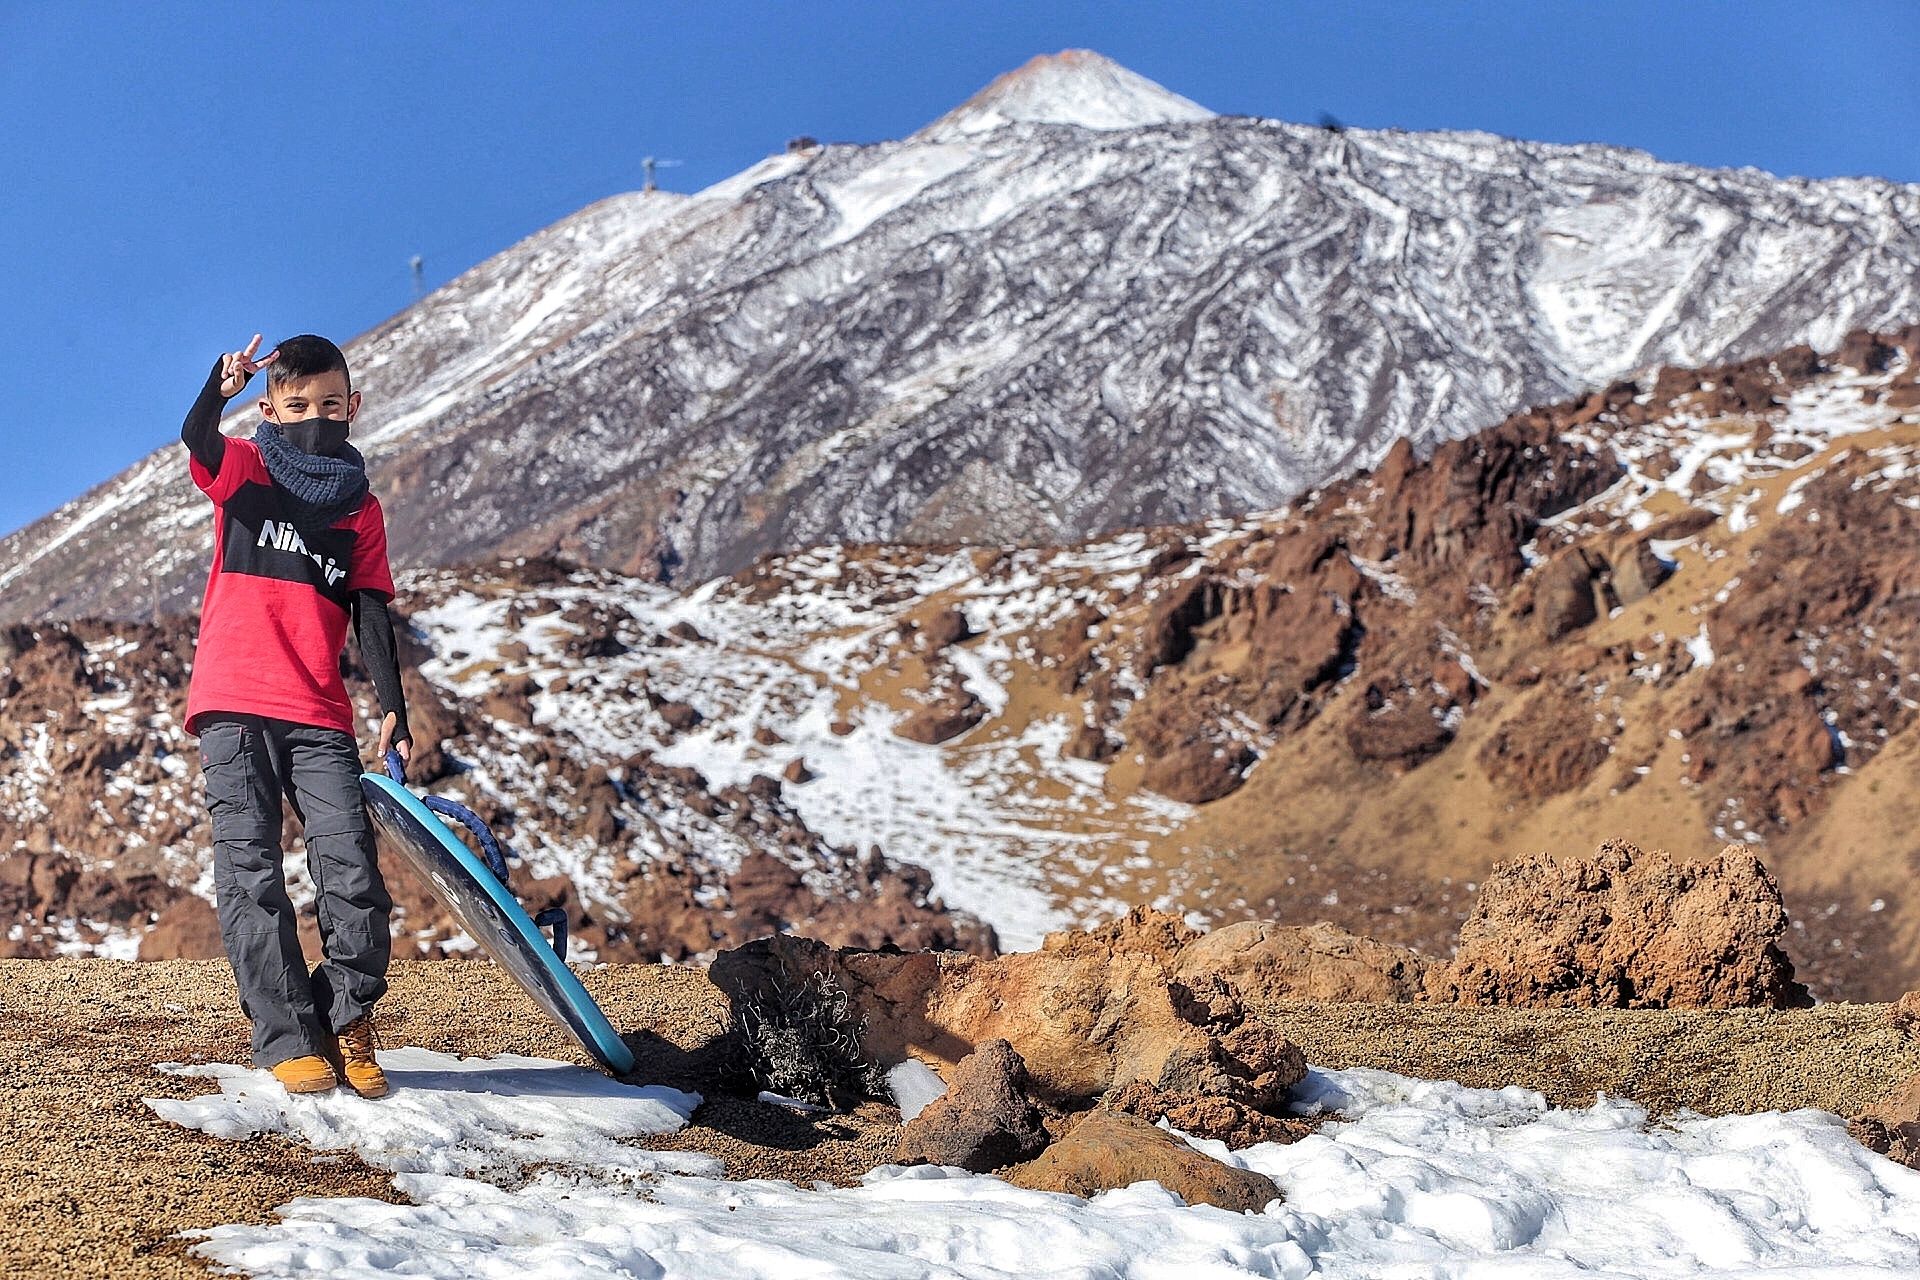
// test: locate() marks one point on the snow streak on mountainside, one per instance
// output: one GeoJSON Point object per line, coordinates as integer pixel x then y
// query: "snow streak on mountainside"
{"type": "Point", "coordinates": [1077, 302]}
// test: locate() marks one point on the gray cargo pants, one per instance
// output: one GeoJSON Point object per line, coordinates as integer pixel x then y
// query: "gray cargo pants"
{"type": "Point", "coordinates": [248, 763]}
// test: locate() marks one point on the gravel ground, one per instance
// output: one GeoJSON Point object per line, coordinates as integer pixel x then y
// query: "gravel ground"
{"type": "Point", "coordinates": [98, 1185]}
{"type": "Point", "coordinates": [1834, 1057]}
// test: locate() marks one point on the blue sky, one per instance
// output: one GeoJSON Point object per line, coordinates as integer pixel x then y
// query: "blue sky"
{"type": "Point", "coordinates": [180, 176]}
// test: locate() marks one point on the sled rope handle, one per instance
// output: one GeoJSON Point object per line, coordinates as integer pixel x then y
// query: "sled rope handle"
{"type": "Point", "coordinates": [554, 918]}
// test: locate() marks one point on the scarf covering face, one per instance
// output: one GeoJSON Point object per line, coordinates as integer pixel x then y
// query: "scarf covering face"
{"type": "Point", "coordinates": [323, 475]}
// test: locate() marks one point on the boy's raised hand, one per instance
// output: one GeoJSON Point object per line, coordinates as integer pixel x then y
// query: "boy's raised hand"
{"type": "Point", "coordinates": [238, 367]}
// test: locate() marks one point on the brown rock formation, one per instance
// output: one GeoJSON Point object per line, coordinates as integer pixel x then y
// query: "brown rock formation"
{"type": "Point", "coordinates": [1549, 744]}
{"type": "Point", "coordinates": [1091, 741]}
{"type": "Point", "coordinates": [985, 1121]}
{"type": "Point", "coordinates": [1087, 1013]}
{"type": "Point", "coordinates": [186, 930]}
{"type": "Point", "coordinates": [1205, 1115]}
{"type": "Point", "coordinates": [510, 700]}
{"type": "Point", "coordinates": [1906, 1014]}
{"type": "Point", "coordinates": [949, 717]}
{"type": "Point", "coordinates": [1567, 595]}
{"type": "Point", "coordinates": [1266, 961]}
{"type": "Point", "coordinates": [1625, 929]}
{"type": "Point", "coordinates": [949, 626]}
{"type": "Point", "coordinates": [1639, 572]}
{"type": "Point", "coordinates": [1109, 1149]}
{"type": "Point", "coordinates": [108, 699]}
{"type": "Point", "coordinates": [1891, 1126]}
{"type": "Point", "coordinates": [679, 715]}
{"type": "Point", "coordinates": [1156, 933]}
{"type": "Point", "coordinates": [1197, 770]}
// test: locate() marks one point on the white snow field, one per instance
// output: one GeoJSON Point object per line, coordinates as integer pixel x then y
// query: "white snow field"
{"type": "Point", "coordinates": [1420, 1179]}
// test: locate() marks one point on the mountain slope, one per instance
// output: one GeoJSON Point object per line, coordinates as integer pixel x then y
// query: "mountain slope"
{"type": "Point", "coordinates": [1076, 303]}
{"type": "Point", "coordinates": [1677, 611]}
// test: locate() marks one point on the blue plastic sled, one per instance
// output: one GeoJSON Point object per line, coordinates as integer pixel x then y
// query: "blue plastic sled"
{"type": "Point", "coordinates": [479, 897]}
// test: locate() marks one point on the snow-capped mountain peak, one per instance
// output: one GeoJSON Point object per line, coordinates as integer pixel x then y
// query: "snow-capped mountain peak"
{"type": "Point", "coordinates": [1076, 87]}
{"type": "Point", "coordinates": [1008, 331]}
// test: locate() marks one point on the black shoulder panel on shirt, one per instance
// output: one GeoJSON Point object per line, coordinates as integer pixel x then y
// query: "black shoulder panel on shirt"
{"type": "Point", "coordinates": [260, 543]}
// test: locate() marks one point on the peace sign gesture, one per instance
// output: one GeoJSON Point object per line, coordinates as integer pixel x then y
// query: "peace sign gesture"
{"type": "Point", "coordinates": [238, 367]}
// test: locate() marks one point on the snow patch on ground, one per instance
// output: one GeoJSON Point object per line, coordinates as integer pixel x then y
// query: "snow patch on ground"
{"type": "Point", "coordinates": [1421, 1178]}
{"type": "Point", "coordinates": [452, 1116]}
{"type": "Point", "coordinates": [1701, 647]}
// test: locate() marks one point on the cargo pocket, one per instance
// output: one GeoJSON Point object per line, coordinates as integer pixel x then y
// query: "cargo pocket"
{"type": "Point", "coordinates": [225, 769]}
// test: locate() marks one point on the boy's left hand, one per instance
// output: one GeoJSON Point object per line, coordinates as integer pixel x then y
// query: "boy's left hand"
{"type": "Point", "coordinates": [404, 746]}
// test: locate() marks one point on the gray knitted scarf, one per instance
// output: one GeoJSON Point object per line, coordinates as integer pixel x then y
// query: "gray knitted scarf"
{"type": "Point", "coordinates": [322, 487]}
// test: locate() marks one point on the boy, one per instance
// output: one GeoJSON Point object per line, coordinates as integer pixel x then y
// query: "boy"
{"type": "Point", "coordinates": [299, 549]}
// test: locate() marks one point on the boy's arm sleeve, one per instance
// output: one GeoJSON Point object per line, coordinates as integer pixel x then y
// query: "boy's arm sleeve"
{"type": "Point", "coordinates": [369, 570]}
{"type": "Point", "coordinates": [201, 431]}
{"type": "Point", "coordinates": [373, 626]}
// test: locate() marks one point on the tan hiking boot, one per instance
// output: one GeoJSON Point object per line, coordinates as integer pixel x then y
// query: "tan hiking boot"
{"type": "Point", "coordinates": [310, 1074]}
{"type": "Point", "coordinates": [357, 1043]}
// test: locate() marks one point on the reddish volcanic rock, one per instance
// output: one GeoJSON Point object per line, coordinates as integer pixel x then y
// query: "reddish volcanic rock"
{"type": "Point", "coordinates": [1469, 508]}
{"type": "Point", "coordinates": [1091, 741]}
{"type": "Point", "coordinates": [1906, 1014]}
{"type": "Point", "coordinates": [510, 700]}
{"type": "Point", "coordinates": [1087, 1013]}
{"type": "Point", "coordinates": [1401, 722]}
{"type": "Point", "coordinates": [895, 908]}
{"type": "Point", "coordinates": [983, 1122]}
{"type": "Point", "coordinates": [1160, 934]}
{"type": "Point", "coordinates": [1268, 962]}
{"type": "Point", "coordinates": [38, 891]}
{"type": "Point", "coordinates": [1567, 593]}
{"type": "Point", "coordinates": [1198, 771]}
{"type": "Point", "coordinates": [679, 715]}
{"type": "Point", "coordinates": [1548, 745]}
{"type": "Point", "coordinates": [1260, 640]}
{"type": "Point", "coordinates": [946, 719]}
{"type": "Point", "coordinates": [187, 930]}
{"type": "Point", "coordinates": [1624, 929]}
{"type": "Point", "coordinates": [949, 626]}
{"type": "Point", "coordinates": [1110, 1149]}
{"type": "Point", "coordinates": [1638, 572]}
{"type": "Point", "coordinates": [1891, 1126]}
{"type": "Point", "coordinates": [1205, 1115]}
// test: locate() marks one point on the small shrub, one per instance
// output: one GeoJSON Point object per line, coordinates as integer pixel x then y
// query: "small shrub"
{"type": "Point", "coordinates": [803, 1040]}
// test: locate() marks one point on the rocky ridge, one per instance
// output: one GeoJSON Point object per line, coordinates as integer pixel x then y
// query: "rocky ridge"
{"type": "Point", "coordinates": [1078, 303]}
{"type": "Point", "coordinates": [104, 846]}
{"type": "Point", "coordinates": [1080, 1047]}
{"type": "Point", "coordinates": [1672, 610]}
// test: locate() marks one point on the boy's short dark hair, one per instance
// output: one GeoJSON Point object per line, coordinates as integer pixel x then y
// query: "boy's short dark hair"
{"type": "Point", "coordinates": [307, 355]}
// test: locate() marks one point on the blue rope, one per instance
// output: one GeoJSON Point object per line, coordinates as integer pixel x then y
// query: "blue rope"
{"type": "Point", "coordinates": [554, 918]}
{"type": "Point", "coordinates": [489, 846]}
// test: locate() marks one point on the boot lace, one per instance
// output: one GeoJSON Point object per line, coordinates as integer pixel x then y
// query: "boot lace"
{"type": "Point", "coordinates": [357, 1038]}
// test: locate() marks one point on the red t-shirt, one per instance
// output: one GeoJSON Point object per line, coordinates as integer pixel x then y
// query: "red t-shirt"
{"type": "Point", "coordinates": [274, 620]}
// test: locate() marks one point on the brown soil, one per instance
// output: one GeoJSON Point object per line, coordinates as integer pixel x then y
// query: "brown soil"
{"type": "Point", "coordinates": [99, 1185]}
